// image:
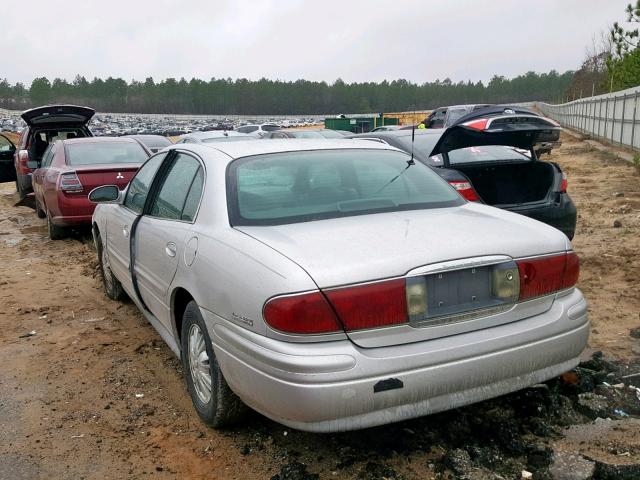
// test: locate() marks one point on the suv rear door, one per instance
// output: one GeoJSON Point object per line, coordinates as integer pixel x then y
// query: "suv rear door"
{"type": "Point", "coordinates": [59, 115]}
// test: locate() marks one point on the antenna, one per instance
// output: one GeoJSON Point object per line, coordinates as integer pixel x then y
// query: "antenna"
{"type": "Point", "coordinates": [413, 133]}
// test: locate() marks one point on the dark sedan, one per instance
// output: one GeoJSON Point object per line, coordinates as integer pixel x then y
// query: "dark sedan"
{"type": "Point", "coordinates": [489, 156]}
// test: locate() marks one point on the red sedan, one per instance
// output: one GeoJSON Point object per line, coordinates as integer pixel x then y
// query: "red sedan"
{"type": "Point", "coordinates": [70, 169]}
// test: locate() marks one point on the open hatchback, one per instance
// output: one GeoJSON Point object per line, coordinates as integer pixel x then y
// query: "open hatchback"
{"type": "Point", "coordinates": [45, 125]}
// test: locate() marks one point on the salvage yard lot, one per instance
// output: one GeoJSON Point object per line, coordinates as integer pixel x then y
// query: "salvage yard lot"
{"type": "Point", "coordinates": [95, 392]}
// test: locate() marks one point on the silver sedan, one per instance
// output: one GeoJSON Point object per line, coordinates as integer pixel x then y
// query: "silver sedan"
{"type": "Point", "coordinates": [336, 284]}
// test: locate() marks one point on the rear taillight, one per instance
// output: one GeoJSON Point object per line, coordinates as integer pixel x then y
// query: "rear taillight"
{"type": "Point", "coordinates": [480, 124]}
{"type": "Point", "coordinates": [370, 306]}
{"type": "Point", "coordinates": [23, 158]}
{"type": "Point", "coordinates": [398, 301]}
{"type": "Point", "coordinates": [69, 182]}
{"type": "Point", "coordinates": [563, 183]}
{"type": "Point", "coordinates": [466, 190]}
{"type": "Point", "coordinates": [542, 276]}
{"type": "Point", "coordinates": [305, 313]}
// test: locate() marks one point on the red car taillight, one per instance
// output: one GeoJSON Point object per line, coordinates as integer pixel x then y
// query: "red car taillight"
{"type": "Point", "coordinates": [384, 303]}
{"type": "Point", "coordinates": [372, 305]}
{"type": "Point", "coordinates": [542, 276]}
{"type": "Point", "coordinates": [305, 313]}
{"type": "Point", "coordinates": [564, 183]}
{"type": "Point", "coordinates": [466, 190]}
{"type": "Point", "coordinates": [69, 182]}
{"type": "Point", "coordinates": [480, 124]}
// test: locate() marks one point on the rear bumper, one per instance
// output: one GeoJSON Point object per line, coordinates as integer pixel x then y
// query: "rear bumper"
{"type": "Point", "coordinates": [561, 214]}
{"type": "Point", "coordinates": [71, 221]}
{"type": "Point", "coordinates": [331, 386]}
{"type": "Point", "coordinates": [72, 209]}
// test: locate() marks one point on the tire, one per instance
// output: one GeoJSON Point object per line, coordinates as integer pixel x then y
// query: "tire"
{"type": "Point", "coordinates": [112, 286]}
{"type": "Point", "coordinates": [39, 211]}
{"type": "Point", "coordinates": [55, 232]}
{"type": "Point", "coordinates": [219, 406]}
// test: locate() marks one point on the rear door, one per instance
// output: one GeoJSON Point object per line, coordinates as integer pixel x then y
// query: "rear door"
{"type": "Point", "coordinates": [58, 115]}
{"type": "Point", "coordinates": [163, 230]}
{"type": "Point", "coordinates": [122, 218]}
{"type": "Point", "coordinates": [509, 126]}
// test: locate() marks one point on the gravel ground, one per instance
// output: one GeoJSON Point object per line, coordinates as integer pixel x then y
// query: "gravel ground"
{"type": "Point", "coordinates": [89, 390]}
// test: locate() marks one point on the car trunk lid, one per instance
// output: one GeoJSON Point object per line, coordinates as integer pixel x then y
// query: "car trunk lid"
{"type": "Point", "coordinates": [94, 176]}
{"type": "Point", "coordinates": [58, 115]}
{"type": "Point", "coordinates": [360, 250]}
{"type": "Point", "coordinates": [509, 126]}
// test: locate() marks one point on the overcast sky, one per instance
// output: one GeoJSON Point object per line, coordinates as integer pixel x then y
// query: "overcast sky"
{"type": "Point", "coordinates": [356, 40]}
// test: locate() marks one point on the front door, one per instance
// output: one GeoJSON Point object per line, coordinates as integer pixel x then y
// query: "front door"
{"type": "Point", "coordinates": [121, 222]}
{"type": "Point", "coordinates": [7, 151]}
{"type": "Point", "coordinates": [162, 231]}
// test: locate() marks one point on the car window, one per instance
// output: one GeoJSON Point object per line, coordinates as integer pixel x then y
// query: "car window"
{"type": "Point", "coordinates": [270, 128]}
{"type": "Point", "coordinates": [247, 129]}
{"type": "Point", "coordinates": [96, 153]}
{"type": "Point", "coordinates": [139, 185]}
{"type": "Point", "coordinates": [172, 195]}
{"type": "Point", "coordinates": [47, 157]}
{"type": "Point", "coordinates": [293, 187]}
{"type": "Point", "coordinates": [193, 198]}
{"type": "Point", "coordinates": [5, 144]}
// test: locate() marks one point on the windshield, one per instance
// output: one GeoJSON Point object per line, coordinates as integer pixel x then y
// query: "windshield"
{"type": "Point", "coordinates": [99, 153]}
{"type": "Point", "coordinates": [296, 187]}
{"type": "Point", "coordinates": [270, 128]}
{"type": "Point", "coordinates": [490, 153]}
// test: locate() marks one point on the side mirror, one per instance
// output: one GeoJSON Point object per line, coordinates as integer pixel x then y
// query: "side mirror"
{"type": "Point", "coordinates": [104, 194]}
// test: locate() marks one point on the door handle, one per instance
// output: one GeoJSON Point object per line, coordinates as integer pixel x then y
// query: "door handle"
{"type": "Point", "coordinates": [125, 231]}
{"type": "Point", "coordinates": [170, 249]}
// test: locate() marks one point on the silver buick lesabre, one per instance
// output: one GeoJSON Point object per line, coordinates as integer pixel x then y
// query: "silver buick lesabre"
{"type": "Point", "coordinates": [336, 284]}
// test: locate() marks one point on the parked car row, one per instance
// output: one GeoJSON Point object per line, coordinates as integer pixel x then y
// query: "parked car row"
{"type": "Point", "coordinates": [330, 283]}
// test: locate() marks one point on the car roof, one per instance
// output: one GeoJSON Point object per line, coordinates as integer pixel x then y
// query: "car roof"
{"type": "Point", "coordinates": [249, 148]}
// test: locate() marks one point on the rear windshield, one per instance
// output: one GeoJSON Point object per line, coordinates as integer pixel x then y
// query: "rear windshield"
{"type": "Point", "coordinates": [490, 153]}
{"type": "Point", "coordinates": [270, 128]}
{"type": "Point", "coordinates": [98, 153]}
{"type": "Point", "coordinates": [294, 187]}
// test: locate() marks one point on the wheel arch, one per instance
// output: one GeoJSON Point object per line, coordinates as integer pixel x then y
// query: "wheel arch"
{"type": "Point", "coordinates": [180, 298]}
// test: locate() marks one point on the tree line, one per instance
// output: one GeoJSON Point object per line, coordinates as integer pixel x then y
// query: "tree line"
{"type": "Point", "coordinates": [264, 96]}
{"type": "Point", "coordinates": [612, 62]}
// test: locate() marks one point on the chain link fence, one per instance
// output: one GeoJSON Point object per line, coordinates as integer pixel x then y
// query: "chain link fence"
{"type": "Point", "coordinates": [613, 117]}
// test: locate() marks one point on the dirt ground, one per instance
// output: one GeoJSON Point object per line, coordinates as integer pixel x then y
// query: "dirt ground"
{"type": "Point", "coordinates": [89, 390]}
